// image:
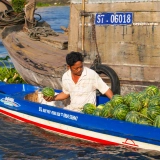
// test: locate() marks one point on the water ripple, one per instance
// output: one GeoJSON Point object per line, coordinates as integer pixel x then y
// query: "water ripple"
{"type": "Point", "coordinates": [23, 141]}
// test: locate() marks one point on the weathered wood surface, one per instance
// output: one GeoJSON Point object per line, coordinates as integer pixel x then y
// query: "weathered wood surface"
{"type": "Point", "coordinates": [4, 5]}
{"type": "Point", "coordinates": [37, 52]}
{"type": "Point", "coordinates": [132, 50]}
{"type": "Point", "coordinates": [37, 78]}
{"type": "Point", "coordinates": [60, 41]}
{"type": "Point", "coordinates": [0, 33]}
{"type": "Point", "coordinates": [29, 13]}
{"type": "Point", "coordinates": [35, 60]}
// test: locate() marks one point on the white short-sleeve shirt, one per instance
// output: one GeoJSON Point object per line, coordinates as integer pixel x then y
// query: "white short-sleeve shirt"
{"type": "Point", "coordinates": [84, 91]}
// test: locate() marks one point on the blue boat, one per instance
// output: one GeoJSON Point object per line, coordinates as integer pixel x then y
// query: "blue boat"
{"type": "Point", "coordinates": [75, 124]}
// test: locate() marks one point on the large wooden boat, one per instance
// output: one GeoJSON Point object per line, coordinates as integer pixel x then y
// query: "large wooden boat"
{"type": "Point", "coordinates": [37, 62]}
{"type": "Point", "coordinates": [73, 124]}
{"type": "Point", "coordinates": [123, 35]}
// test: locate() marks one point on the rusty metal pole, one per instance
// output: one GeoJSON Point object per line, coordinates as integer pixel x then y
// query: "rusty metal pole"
{"type": "Point", "coordinates": [83, 21]}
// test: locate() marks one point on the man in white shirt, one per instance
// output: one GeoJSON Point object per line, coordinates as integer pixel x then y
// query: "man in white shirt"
{"type": "Point", "coordinates": [80, 84]}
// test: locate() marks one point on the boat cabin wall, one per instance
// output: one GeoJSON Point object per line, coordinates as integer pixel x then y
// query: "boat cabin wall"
{"type": "Point", "coordinates": [133, 50]}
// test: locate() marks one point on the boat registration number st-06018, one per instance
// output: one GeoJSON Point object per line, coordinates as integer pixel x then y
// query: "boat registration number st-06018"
{"type": "Point", "coordinates": [118, 18]}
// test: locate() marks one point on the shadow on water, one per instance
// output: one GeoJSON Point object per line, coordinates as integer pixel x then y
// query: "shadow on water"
{"type": "Point", "coordinates": [23, 141]}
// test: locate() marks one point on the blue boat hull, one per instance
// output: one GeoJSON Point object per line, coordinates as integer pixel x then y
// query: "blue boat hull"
{"type": "Point", "coordinates": [74, 124]}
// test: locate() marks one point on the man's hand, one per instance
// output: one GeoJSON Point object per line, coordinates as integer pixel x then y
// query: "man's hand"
{"type": "Point", "coordinates": [48, 98]}
{"type": "Point", "coordinates": [58, 97]}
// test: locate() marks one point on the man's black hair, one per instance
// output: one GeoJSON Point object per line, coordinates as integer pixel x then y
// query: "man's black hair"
{"type": "Point", "coordinates": [73, 57]}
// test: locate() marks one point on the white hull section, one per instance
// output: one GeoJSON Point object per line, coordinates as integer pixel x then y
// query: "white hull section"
{"type": "Point", "coordinates": [79, 133]}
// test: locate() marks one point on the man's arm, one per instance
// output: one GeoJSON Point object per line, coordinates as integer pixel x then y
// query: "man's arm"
{"type": "Point", "coordinates": [58, 97]}
{"type": "Point", "coordinates": [109, 93]}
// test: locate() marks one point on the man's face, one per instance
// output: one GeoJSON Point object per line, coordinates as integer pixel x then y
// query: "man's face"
{"type": "Point", "coordinates": [77, 68]}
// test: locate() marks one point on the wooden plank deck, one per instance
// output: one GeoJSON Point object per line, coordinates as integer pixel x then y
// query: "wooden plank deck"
{"type": "Point", "coordinates": [60, 41]}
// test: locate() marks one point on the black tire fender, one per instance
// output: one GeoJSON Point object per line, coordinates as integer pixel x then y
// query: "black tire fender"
{"type": "Point", "coordinates": [109, 72]}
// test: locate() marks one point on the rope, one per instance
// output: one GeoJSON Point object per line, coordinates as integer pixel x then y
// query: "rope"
{"type": "Point", "coordinates": [37, 32]}
{"type": "Point", "coordinates": [10, 18]}
{"type": "Point", "coordinates": [34, 22]}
